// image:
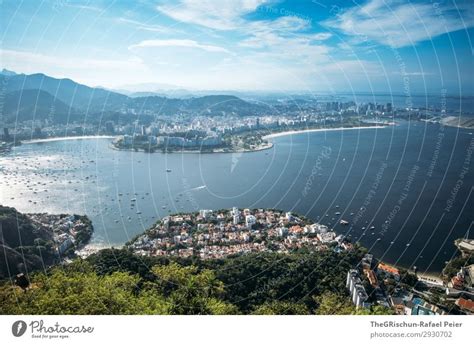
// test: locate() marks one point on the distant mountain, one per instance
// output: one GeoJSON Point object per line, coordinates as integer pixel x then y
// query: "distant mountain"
{"type": "Point", "coordinates": [38, 96]}
{"type": "Point", "coordinates": [71, 93]}
{"type": "Point", "coordinates": [221, 103]}
{"type": "Point", "coordinates": [36, 105]}
{"type": "Point", "coordinates": [7, 72]}
{"type": "Point", "coordinates": [215, 105]}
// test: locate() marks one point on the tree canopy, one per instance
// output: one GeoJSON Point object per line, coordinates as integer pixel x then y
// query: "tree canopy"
{"type": "Point", "coordinates": [119, 282]}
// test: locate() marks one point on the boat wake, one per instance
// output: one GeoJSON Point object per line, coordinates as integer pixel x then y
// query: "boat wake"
{"type": "Point", "coordinates": [198, 188]}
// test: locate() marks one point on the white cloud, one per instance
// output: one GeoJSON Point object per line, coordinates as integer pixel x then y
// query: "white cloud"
{"type": "Point", "coordinates": [183, 43]}
{"type": "Point", "coordinates": [91, 71]}
{"type": "Point", "coordinates": [285, 24]}
{"type": "Point", "coordinates": [149, 27]}
{"type": "Point", "coordinates": [322, 36]}
{"type": "Point", "coordinates": [221, 15]}
{"type": "Point", "coordinates": [398, 24]}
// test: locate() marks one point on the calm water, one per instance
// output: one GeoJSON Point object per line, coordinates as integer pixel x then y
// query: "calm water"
{"type": "Point", "coordinates": [411, 182]}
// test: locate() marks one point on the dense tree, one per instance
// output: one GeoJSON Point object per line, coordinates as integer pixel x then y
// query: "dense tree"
{"type": "Point", "coordinates": [189, 291]}
{"type": "Point", "coordinates": [375, 310]}
{"type": "Point", "coordinates": [330, 303]}
{"type": "Point", "coordinates": [281, 308]}
{"type": "Point", "coordinates": [80, 290]}
{"type": "Point", "coordinates": [115, 281]}
{"type": "Point", "coordinates": [77, 290]}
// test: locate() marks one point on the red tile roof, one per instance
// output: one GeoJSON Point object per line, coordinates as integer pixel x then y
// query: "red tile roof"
{"type": "Point", "coordinates": [465, 304]}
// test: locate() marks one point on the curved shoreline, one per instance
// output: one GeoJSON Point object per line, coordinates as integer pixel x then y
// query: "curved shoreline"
{"type": "Point", "coordinates": [269, 136]}
{"type": "Point", "coordinates": [258, 149]}
{"type": "Point", "coordinates": [269, 145]}
{"type": "Point", "coordinates": [67, 138]}
{"type": "Point", "coordinates": [295, 132]}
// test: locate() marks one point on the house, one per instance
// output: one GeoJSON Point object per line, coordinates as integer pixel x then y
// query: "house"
{"type": "Point", "coordinates": [326, 237]}
{"type": "Point", "coordinates": [465, 305]}
{"type": "Point", "coordinates": [371, 277]}
{"type": "Point", "coordinates": [389, 270]}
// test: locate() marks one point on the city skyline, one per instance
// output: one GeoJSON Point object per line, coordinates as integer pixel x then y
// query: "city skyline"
{"type": "Point", "coordinates": [311, 46]}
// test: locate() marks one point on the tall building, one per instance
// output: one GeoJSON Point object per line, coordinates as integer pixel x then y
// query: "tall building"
{"type": "Point", "coordinates": [236, 219]}
{"type": "Point", "coordinates": [359, 296]}
{"type": "Point", "coordinates": [109, 127]}
{"type": "Point", "coordinates": [250, 220]}
{"type": "Point", "coordinates": [6, 134]}
{"type": "Point", "coordinates": [205, 213]}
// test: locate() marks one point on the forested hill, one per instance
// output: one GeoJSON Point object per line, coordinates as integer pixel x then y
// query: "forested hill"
{"type": "Point", "coordinates": [31, 242]}
{"type": "Point", "coordinates": [120, 282]}
{"type": "Point", "coordinates": [21, 244]}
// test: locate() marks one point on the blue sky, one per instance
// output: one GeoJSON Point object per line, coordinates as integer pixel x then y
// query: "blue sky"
{"type": "Point", "coordinates": [303, 45]}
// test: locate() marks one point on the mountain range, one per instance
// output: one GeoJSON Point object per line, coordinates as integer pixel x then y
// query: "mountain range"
{"type": "Point", "coordinates": [39, 96]}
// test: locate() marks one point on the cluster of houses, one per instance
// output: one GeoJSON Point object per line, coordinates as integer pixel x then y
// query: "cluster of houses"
{"type": "Point", "coordinates": [64, 229]}
{"type": "Point", "coordinates": [374, 275]}
{"type": "Point", "coordinates": [211, 140]}
{"type": "Point", "coordinates": [210, 234]}
{"type": "Point", "coordinates": [461, 287]}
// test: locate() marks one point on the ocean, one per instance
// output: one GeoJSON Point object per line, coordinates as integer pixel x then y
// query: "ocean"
{"type": "Point", "coordinates": [406, 190]}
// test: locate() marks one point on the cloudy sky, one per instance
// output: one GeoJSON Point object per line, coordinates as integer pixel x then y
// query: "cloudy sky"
{"type": "Point", "coordinates": [298, 45]}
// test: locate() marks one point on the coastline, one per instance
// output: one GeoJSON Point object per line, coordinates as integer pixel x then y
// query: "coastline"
{"type": "Point", "coordinates": [260, 148]}
{"type": "Point", "coordinates": [295, 132]}
{"type": "Point", "coordinates": [67, 138]}
{"type": "Point", "coordinates": [461, 122]}
{"type": "Point", "coordinates": [269, 145]}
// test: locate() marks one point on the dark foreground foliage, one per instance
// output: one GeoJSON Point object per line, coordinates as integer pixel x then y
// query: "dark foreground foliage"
{"type": "Point", "coordinates": [118, 282]}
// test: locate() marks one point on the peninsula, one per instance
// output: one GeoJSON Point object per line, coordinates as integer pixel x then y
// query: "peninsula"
{"type": "Point", "coordinates": [37, 241]}
{"type": "Point", "coordinates": [247, 138]}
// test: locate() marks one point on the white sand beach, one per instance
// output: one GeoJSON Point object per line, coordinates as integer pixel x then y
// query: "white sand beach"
{"type": "Point", "coordinates": [64, 138]}
{"type": "Point", "coordinates": [293, 132]}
